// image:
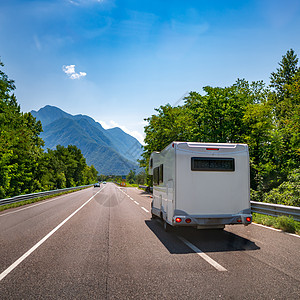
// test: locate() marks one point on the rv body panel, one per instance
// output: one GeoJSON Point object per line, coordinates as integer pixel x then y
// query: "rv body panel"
{"type": "Point", "coordinates": [219, 192]}
{"type": "Point", "coordinates": [203, 185]}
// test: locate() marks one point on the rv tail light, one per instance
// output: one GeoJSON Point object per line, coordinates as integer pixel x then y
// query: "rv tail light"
{"type": "Point", "coordinates": [248, 219]}
{"type": "Point", "coordinates": [239, 220]}
{"type": "Point", "coordinates": [213, 149]}
{"type": "Point", "coordinates": [188, 220]}
{"type": "Point", "coordinates": [178, 220]}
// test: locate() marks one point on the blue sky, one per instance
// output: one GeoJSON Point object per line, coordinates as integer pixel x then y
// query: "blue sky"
{"type": "Point", "coordinates": [117, 60]}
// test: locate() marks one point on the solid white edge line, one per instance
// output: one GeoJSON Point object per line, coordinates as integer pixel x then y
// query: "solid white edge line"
{"type": "Point", "coordinates": [24, 256]}
{"type": "Point", "coordinates": [39, 203]}
{"type": "Point", "coordinates": [203, 255]}
{"type": "Point", "coordinates": [143, 208]}
{"type": "Point", "coordinates": [275, 229]}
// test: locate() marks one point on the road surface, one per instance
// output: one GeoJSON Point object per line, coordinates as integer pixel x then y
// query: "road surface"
{"type": "Point", "coordinates": [100, 243]}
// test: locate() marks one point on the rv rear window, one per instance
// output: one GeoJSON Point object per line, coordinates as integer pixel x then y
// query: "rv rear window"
{"type": "Point", "coordinates": [212, 164]}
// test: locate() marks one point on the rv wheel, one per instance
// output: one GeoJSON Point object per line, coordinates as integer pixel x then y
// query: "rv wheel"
{"type": "Point", "coordinates": [153, 216]}
{"type": "Point", "coordinates": [167, 227]}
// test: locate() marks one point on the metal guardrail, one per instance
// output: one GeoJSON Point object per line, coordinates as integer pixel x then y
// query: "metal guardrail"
{"type": "Point", "coordinates": [269, 209]}
{"type": "Point", "coordinates": [256, 207]}
{"type": "Point", "coordinates": [37, 195]}
{"type": "Point", "coordinates": [275, 210]}
{"type": "Point", "coordinates": [146, 187]}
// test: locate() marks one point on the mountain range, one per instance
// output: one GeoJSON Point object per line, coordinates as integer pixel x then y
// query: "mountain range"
{"type": "Point", "coordinates": [111, 151]}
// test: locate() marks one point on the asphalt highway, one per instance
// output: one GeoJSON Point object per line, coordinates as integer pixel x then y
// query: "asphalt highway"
{"type": "Point", "coordinates": [100, 243]}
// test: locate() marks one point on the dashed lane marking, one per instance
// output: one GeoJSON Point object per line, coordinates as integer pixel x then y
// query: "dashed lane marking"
{"type": "Point", "coordinates": [203, 255]}
{"type": "Point", "coordinates": [137, 203]}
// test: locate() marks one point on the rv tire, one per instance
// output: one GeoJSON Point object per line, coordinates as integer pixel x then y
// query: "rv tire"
{"type": "Point", "coordinates": [153, 216]}
{"type": "Point", "coordinates": [167, 227]}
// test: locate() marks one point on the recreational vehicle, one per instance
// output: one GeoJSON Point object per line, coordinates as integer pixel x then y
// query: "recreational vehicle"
{"type": "Point", "coordinates": [204, 185]}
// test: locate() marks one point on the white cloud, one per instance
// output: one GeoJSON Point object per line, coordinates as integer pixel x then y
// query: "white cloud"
{"type": "Point", "coordinates": [84, 2]}
{"type": "Point", "coordinates": [77, 75]}
{"type": "Point", "coordinates": [70, 71]}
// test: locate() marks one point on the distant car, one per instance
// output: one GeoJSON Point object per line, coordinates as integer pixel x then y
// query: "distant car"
{"type": "Point", "coordinates": [97, 184]}
{"type": "Point", "coordinates": [104, 182]}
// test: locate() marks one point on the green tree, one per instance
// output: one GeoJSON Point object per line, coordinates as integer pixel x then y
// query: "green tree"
{"type": "Point", "coordinates": [286, 102]}
{"type": "Point", "coordinates": [257, 120]}
{"type": "Point", "coordinates": [266, 118]}
{"type": "Point", "coordinates": [284, 75]}
{"type": "Point", "coordinates": [170, 124]}
{"type": "Point", "coordinates": [24, 167]}
{"type": "Point", "coordinates": [65, 167]}
{"type": "Point", "coordinates": [70, 161]}
{"type": "Point", "coordinates": [141, 178]}
{"type": "Point", "coordinates": [20, 145]}
{"type": "Point", "coordinates": [289, 124]}
{"type": "Point", "coordinates": [218, 115]}
{"type": "Point", "coordinates": [222, 115]}
{"type": "Point", "coordinates": [130, 178]}
{"type": "Point", "coordinates": [89, 175]}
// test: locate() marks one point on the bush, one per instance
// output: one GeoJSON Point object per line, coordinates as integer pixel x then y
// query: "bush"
{"type": "Point", "coordinates": [288, 193]}
{"type": "Point", "coordinates": [284, 223]}
{"type": "Point", "coordinates": [287, 224]}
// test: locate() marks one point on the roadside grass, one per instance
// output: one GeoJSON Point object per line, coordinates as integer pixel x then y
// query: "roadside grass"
{"type": "Point", "coordinates": [132, 185]}
{"type": "Point", "coordinates": [287, 224]}
{"type": "Point", "coordinates": [21, 203]}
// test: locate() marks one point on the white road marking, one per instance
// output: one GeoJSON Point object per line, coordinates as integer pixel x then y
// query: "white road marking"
{"type": "Point", "coordinates": [137, 203]}
{"type": "Point", "coordinates": [267, 227]}
{"type": "Point", "coordinates": [40, 203]}
{"type": "Point", "coordinates": [24, 256]}
{"type": "Point", "coordinates": [275, 229]}
{"type": "Point", "coordinates": [203, 255]}
{"type": "Point", "coordinates": [293, 234]}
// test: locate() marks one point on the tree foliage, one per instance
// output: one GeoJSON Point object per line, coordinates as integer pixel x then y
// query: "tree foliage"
{"type": "Point", "coordinates": [267, 118]}
{"type": "Point", "coordinates": [24, 167]}
{"type": "Point", "coordinates": [131, 177]}
{"type": "Point", "coordinates": [284, 75]}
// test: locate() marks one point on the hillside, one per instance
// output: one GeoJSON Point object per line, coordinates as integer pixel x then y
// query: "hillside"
{"type": "Point", "coordinates": [111, 151]}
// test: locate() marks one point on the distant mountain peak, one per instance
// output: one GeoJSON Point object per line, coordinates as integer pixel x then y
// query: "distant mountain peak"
{"type": "Point", "coordinates": [111, 151]}
{"type": "Point", "coordinates": [49, 114]}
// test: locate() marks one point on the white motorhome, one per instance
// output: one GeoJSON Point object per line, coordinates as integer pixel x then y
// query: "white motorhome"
{"type": "Point", "coordinates": [204, 185]}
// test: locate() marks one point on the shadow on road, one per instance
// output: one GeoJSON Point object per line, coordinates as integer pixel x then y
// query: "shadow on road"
{"type": "Point", "coordinates": [206, 240]}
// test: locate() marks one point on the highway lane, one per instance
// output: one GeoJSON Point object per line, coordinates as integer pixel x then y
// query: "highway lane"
{"type": "Point", "coordinates": [22, 227]}
{"type": "Point", "coordinates": [111, 249]}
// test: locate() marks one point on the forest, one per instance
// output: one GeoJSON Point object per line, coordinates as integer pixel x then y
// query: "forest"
{"type": "Point", "coordinates": [24, 165]}
{"type": "Point", "coordinates": [266, 117]}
